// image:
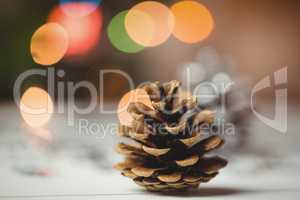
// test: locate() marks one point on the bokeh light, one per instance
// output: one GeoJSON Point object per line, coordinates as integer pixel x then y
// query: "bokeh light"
{"type": "Point", "coordinates": [192, 73]}
{"type": "Point", "coordinates": [118, 36]}
{"type": "Point", "coordinates": [84, 32]}
{"type": "Point", "coordinates": [193, 21]}
{"type": "Point", "coordinates": [206, 93]}
{"type": "Point", "coordinates": [137, 95]}
{"type": "Point", "coordinates": [79, 8]}
{"type": "Point", "coordinates": [149, 23]}
{"type": "Point", "coordinates": [49, 44]}
{"type": "Point", "coordinates": [222, 81]}
{"type": "Point", "coordinates": [36, 107]}
{"type": "Point", "coordinates": [140, 27]}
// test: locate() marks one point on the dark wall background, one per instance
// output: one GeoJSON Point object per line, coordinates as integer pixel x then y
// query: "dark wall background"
{"type": "Point", "coordinates": [261, 36]}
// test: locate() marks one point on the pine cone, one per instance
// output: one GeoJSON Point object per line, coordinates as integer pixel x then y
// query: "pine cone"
{"type": "Point", "coordinates": [168, 154]}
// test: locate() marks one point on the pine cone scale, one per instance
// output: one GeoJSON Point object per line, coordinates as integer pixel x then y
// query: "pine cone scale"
{"type": "Point", "coordinates": [170, 154]}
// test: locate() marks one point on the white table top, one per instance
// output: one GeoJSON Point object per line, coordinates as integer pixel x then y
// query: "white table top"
{"type": "Point", "coordinates": [72, 176]}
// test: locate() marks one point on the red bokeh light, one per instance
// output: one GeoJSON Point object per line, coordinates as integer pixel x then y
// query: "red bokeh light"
{"type": "Point", "coordinates": [84, 31]}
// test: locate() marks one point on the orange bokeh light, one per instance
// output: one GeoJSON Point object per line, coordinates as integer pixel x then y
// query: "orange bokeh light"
{"type": "Point", "coordinates": [137, 95]}
{"type": "Point", "coordinates": [149, 23]}
{"type": "Point", "coordinates": [49, 44]}
{"type": "Point", "coordinates": [193, 21]}
{"type": "Point", "coordinates": [36, 107]}
{"type": "Point", "coordinates": [84, 31]}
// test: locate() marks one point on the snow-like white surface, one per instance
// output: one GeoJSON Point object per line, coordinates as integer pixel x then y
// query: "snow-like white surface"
{"type": "Point", "coordinates": [72, 176]}
{"type": "Point", "coordinates": [73, 180]}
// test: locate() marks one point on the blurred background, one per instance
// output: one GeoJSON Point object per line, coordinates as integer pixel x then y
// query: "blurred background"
{"type": "Point", "coordinates": [259, 37]}
{"type": "Point", "coordinates": [220, 41]}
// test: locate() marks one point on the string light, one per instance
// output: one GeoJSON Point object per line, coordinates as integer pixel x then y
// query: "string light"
{"type": "Point", "coordinates": [84, 31]}
{"type": "Point", "coordinates": [149, 23]}
{"type": "Point", "coordinates": [193, 21]}
{"type": "Point", "coordinates": [49, 44]}
{"type": "Point", "coordinates": [79, 8]}
{"type": "Point", "coordinates": [36, 107]}
{"type": "Point", "coordinates": [118, 36]}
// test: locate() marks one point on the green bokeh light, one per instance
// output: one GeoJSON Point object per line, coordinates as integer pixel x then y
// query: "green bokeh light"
{"type": "Point", "coordinates": [118, 36]}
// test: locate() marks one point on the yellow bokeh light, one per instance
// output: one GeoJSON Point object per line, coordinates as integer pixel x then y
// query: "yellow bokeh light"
{"type": "Point", "coordinates": [193, 21]}
{"type": "Point", "coordinates": [36, 107]}
{"type": "Point", "coordinates": [140, 27]}
{"type": "Point", "coordinates": [49, 44]}
{"type": "Point", "coordinates": [149, 23]}
{"type": "Point", "coordinates": [137, 95]}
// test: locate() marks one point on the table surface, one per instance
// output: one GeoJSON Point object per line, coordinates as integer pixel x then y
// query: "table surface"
{"type": "Point", "coordinates": [77, 167]}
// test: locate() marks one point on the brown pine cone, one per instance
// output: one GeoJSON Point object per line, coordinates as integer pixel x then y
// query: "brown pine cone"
{"type": "Point", "coordinates": [170, 146]}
